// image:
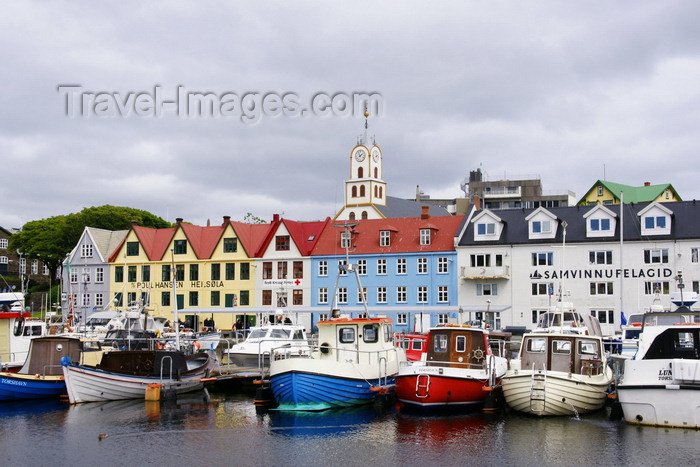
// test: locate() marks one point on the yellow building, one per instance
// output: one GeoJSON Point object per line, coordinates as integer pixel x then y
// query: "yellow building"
{"type": "Point", "coordinates": [604, 192]}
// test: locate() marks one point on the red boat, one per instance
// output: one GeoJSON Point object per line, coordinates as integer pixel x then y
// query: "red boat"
{"type": "Point", "coordinates": [459, 370]}
{"type": "Point", "coordinates": [414, 344]}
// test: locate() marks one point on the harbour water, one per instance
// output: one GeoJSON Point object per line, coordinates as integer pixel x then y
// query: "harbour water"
{"type": "Point", "coordinates": [224, 429]}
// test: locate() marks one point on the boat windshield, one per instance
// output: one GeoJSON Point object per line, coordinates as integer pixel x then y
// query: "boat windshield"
{"type": "Point", "coordinates": [279, 334]}
{"type": "Point", "coordinates": [257, 334]}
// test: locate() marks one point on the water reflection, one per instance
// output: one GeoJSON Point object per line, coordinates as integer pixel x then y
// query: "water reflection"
{"type": "Point", "coordinates": [325, 423]}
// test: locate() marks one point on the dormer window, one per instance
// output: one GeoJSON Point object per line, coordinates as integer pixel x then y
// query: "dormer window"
{"type": "Point", "coordinates": [425, 236]}
{"type": "Point", "coordinates": [598, 225]}
{"type": "Point", "coordinates": [486, 228]}
{"type": "Point", "coordinates": [384, 238]}
{"type": "Point", "coordinates": [655, 222]}
{"type": "Point", "coordinates": [541, 226]}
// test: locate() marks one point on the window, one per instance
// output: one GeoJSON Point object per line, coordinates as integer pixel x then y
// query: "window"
{"type": "Point", "coordinates": [267, 297]}
{"type": "Point", "coordinates": [381, 267]}
{"type": "Point", "coordinates": [165, 298]}
{"type": "Point", "coordinates": [165, 273]}
{"type": "Point", "coordinates": [586, 347]}
{"type": "Point", "coordinates": [401, 294]}
{"type": "Point", "coordinates": [694, 255]}
{"type": "Point", "coordinates": [345, 240]}
{"type": "Point", "coordinates": [384, 238]}
{"type": "Point", "coordinates": [267, 270]}
{"type": "Point", "coordinates": [281, 269]}
{"type": "Point", "coordinates": [346, 335]}
{"type": "Point", "coordinates": [598, 225]}
{"type": "Point", "coordinates": [342, 295]}
{"type": "Point", "coordinates": [322, 295]}
{"type": "Point", "coordinates": [402, 318]}
{"type": "Point", "coordinates": [244, 269]}
{"type": "Point", "coordinates": [215, 298]}
{"type": "Point", "coordinates": [370, 333]}
{"type": "Point", "coordinates": [443, 318]}
{"type": "Point", "coordinates": [461, 344]}
{"type": "Point", "coordinates": [118, 297]}
{"type": "Point", "coordinates": [442, 265]}
{"type": "Point", "coordinates": [361, 294]}
{"type": "Point", "coordinates": [282, 243]}
{"type": "Point", "coordinates": [481, 260]}
{"type": "Point", "coordinates": [542, 288]}
{"type": "Point", "coordinates": [194, 272]}
{"type": "Point", "coordinates": [99, 299]}
{"type": "Point", "coordinates": [297, 297]}
{"type": "Point", "coordinates": [443, 295]}
{"type": "Point", "coordinates": [561, 347]}
{"type": "Point", "coordinates": [245, 298]}
{"type": "Point", "coordinates": [86, 250]}
{"type": "Point", "coordinates": [215, 271]}
{"type": "Point", "coordinates": [342, 267]}
{"type": "Point", "coordinates": [179, 272]}
{"type": "Point", "coordinates": [486, 228]}
{"type": "Point", "coordinates": [422, 266]}
{"type": "Point", "coordinates": [145, 273]}
{"type": "Point", "coordinates": [401, 266]}
{"type": "Point", "coordinates": [180, 247]}
{"type": "Point", "coordinates": [35, 266]}
{"type": "Point", "coordinates": [654, 222]}
{"type": "Point", "coordinates": [543, 259]}
{"type": "Point", "coordinates": [194, 298]}
{"type": "Point", "coordinates": [323, 268]}
{"type": "Point", "coordinates": [381, 294]}
{"type": "Point", "coordinates": [297, 270]}
{"type": "Point", "coordinates": [3, 243]}
{"type": "Point", "coordinates": [601, 288]}
{"type": "Point", "coordinates": [600, 190]}
{"type": "Point", "coordinates": [425, 236]}
{"type": "Point", "coordinates": [362, 267]}
{"type": "Point", "coordinates": [230, 245]}
{"type": "Point", "coordinates": [656, 256]}
{"type": "Point", "coordinates": [132, 248]}
{"type": "Point", "coordinates": [86, 299]}
{"type": "Point", "coordinates": [656, 287]}
{"type": "Point", "coordinates": [541, 226]}
{"type": "Point", "coordinates": [486, 289]}
{"type": "Point", "coordinates": [422, 294]}
{"type": "Point", "coordinates": [131, 274]}
{"type": "Point", "coordinates": [600, 257]}
{"type": "Point", "coordinates": [118, 275]}
{"type": "Point", "coordinates": [230, 271]}
{"type": "Point", "coordinates": [604, 316]}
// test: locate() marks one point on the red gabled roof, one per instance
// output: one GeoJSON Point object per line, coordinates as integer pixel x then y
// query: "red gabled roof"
{"type": "Point", "coordinates": [404, 236]}
{"type": "Point", "coordinates": [305, 235]}
{"type": "Point", "coordinates": [203, 239]}
{"type": "Point", "coordinates": [251, 236]}
{"type": "Point", "coordinates": [153, 241]}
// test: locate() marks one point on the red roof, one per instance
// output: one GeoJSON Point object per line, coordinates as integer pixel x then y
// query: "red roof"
{"type": "Point", "coordinates": [203, 239]}
{"type": "Point", "coordinates": [404, 235]}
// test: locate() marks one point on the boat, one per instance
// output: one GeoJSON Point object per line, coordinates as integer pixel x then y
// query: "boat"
{"type": "Point", "coordinates": [17, 330]}
{"type": "Point", "coordinates": [279, 333]}
{"type": "Point", "coordinates": [561, 368]}
{"type": "Point", "coordinates": [661, 384]}
{"type": "Point", "coordinates": [41, 376]}
{"type": "Point", "coordinates": [356, 360]}
{"type": "Point", "coordinates": [126, 374]}
{"type": "Point", "coordinates": [414, 344]}
{"type": "Point", "coordinates": [458, 370]}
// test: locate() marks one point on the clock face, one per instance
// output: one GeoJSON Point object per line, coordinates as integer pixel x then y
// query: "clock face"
{"type": "Point", "coordinates": [375, 155]}
{"type": "Point", "coordinates": [360, 155]}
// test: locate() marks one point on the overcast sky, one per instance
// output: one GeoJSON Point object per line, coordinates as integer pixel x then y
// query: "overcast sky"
{"type": "Point", "coordinates": [570, 91]}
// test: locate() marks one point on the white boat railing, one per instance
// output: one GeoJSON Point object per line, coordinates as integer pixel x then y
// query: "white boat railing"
{"type": "Point", "coordinates": [357, 356]}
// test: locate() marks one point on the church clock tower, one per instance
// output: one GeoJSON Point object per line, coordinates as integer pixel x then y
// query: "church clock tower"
{"type": "Point", "coordinates": [365, 189]}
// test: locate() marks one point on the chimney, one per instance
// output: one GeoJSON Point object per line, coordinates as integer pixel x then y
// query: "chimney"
{"type": "Point", "coordinates": [477, 202]}
{"type": "Point", "coordinates": [647, 183]}
{"type": "Point", "coordinates": [425, 213]}
{"type": "Point", "coordinates": [275, 218]}
{"type": "Point", "coordinates": [227, 220]}
{"type": "Point", "coordinates": [178, 220]}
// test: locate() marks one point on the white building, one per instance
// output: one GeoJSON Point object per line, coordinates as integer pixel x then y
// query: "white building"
{"type": "Point", "coordinates": [515, 262]}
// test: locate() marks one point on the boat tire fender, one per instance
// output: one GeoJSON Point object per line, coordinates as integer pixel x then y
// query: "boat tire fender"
{"type": "Point", "coordinates": [325, 348]}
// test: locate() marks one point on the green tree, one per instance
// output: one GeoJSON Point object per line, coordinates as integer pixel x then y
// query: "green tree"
{"type": "Point", "coordinates": [50, 240]}
{"type": "Point", "coordinates": [251, 219]}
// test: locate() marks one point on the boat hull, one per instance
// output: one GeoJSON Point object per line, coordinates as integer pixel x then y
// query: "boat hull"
{"type": "Point", "coordinates": [85, 384]}
{"type": "Point", "coordinates": [304, 391]}
{"type": "Point", "coordinates": [435, 391]}
{"type": "Point", "coordinates": [661, 392]}
{"type": "Point", "coordinates": [561, 394]}
{"type": "Point", "coordinates": [21, 387]}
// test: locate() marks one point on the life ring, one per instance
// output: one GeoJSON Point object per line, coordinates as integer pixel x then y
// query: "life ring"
{"type": "Point", "coordinates": [478, 354]}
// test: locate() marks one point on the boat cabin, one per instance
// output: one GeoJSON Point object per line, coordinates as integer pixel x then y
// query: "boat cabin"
{"type": "Point", "coordinates": [457, 346]}
{"type": "Point", "coordinates": [355, 339]}
{"type": "Point", "coordinates": [566, 353]}
{"type": "Point", "coordinates": [413, 344]}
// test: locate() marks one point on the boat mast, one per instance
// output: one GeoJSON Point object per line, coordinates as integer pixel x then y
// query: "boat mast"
{"type": "Point", "coordinates": [175, 317]}
{"type": "Point", "coordinates": [347, 236]}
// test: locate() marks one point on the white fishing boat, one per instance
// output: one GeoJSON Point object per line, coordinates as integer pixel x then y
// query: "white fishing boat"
{"type": "Point", "coordinates": [127, 374]}
{"type": "Point", "coordinates": [661, 384]}
{"type": "Point", "coordinates": [17, 329]}
{"type": "Point", "coordinates": [559, 370]}
{"type": "Point", "coordinates": [280, 333]}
